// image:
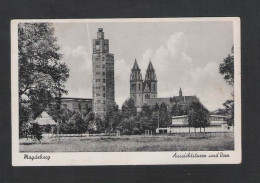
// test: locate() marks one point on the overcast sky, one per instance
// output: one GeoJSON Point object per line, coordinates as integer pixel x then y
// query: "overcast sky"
{"type": "Point", "coordinates": [184, 54]}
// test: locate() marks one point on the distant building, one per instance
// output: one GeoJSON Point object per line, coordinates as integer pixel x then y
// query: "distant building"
{"type": "Point", "coordinates": [183, 101]}
{"type": "Point", "coordinates": [145, 91]}
{"type": "Point", "coordinates": [81, 105]}
{"type": "Point", "coordinates": [179, 124]}
{"type": "Point", "coordinates": [103, 75]}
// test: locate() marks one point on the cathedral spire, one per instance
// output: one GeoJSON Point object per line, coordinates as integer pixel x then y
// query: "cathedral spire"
{"type": "Point", "coordinates": [150, 72]}
{"type": "Point", "coordinates": [135, 67]}
{"type": "Point", "coordinates": [150, 66]}
{"type": "Point", "coordinates": [136, 72]}
{"type": "Point", "coordinates": [180, 92]}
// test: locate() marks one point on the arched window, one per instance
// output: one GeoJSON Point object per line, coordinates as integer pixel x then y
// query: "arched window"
{"type": "Point", "coordinates": [132, 88]}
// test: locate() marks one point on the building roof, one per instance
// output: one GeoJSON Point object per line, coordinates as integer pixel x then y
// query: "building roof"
{"type": "Point", "coordinates": [73, 98]}
{"type": "Point", "coordinates": [176, 117]}
{"type": "Point", "coordinates": [45, 119]}
{"type": "Point", "coordinates": [185, 99]}
{"type": "Point", "coordinates": [222, 116]}
{"type": "Point", "coordinates": [176, 99]}
{"type": "Point", "coordinates": [185, 116]}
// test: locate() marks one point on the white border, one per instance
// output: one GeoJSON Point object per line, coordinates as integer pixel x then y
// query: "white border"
{"type": "Point", "coordinates": [124, 158]}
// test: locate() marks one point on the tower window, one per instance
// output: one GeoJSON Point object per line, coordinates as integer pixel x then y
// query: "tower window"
{"type": "Point", "coordinates": [103, 73]}
{"type": "Point", "coordinates": [132, 87]}
{"type": "Point", "coordinates": [104, 95]}
{"type": "Point", "coordinates": [104, 80]}
{"type": "Point", "coordinates": [139, 87]}
{"type": "Point", "coordinates": [104, 88]}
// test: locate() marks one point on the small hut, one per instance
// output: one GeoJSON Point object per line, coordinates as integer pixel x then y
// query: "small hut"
{"type": "Point", "coordinates": [45, 121]}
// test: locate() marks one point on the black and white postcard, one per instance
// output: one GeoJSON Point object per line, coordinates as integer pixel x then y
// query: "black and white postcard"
{"type": "Point", "coordinates": [126, 91]}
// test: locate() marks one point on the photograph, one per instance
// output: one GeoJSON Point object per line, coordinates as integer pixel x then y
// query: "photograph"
{"type": "Point", "coordinates": [145, 89]}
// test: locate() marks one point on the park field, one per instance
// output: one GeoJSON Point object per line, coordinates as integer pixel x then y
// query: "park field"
{"type": "Point", "coordinates": [131, 143]}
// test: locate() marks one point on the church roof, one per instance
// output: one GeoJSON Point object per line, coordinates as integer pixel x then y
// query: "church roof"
{"type": "Point", "coordinates": [135, 67]}
{"type": "Point", "coordinates": [185, 99]}
{"type": "Point", "coordinates": [176, 99]}
{"type": "Point", "coordinates": [45, 119]}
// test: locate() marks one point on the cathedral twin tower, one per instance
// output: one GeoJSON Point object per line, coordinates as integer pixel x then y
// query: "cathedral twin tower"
{"type": "Point", "coordinates": [142, 90]}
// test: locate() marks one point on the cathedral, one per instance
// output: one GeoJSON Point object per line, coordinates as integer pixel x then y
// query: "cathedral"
{"type": "Point", "coordinates": [145, 91]}
{"type": "Point", "coordinates": [141, 90]}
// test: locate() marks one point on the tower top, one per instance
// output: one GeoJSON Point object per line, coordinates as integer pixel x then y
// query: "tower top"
{"type": "Point", "coordinates": [150, 66]}
{"type": "Point", "coordinates": [135, 67]}
{"type": "Point", "coordinates": [150, 73]}
{"type": "Point", "coordinates": [180, 92]}
{"type": "Point", "coordinates": [100, 33]}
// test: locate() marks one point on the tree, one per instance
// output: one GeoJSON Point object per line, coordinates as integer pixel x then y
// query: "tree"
{"type": "Point", "coordinates": [226, 68]}
{"type": "Point", "coordinates": [92, 126]}
{"type": "Point", "coordinates": [144, 123]}
{"type": "Point", "coordinates": [75, 124]}
{"type": "Point", "coordinates": [163, 115]}
{"type": "Point", "coordinates": [229, 108]}
{"type": "Point", "coordinates": [129, 109]}
{"type": "Point", "coordinates": [35, 131]}
{"type": "Point", "coordinates": [156, 107]}
{"type": "Point", "coordinates": [41, 73]}
{"type": "Point", "coordinates": [178, 110]}
{"type": "Point", "coordinates": [128, 126]}
{"type": "Point", "coordinates": [112, 118]}
{"type": "Point", "coordinates": [146, 111]}
{"type": "Point", "coordinates": [198, 116]}
{"type": "Point", "coordinates": [47, 129]}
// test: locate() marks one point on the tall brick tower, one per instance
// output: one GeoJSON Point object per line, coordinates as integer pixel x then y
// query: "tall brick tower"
{"type": "Point", "coordinates": [103, 75]}
{"type": "Point", "coordinates": [136, 85]}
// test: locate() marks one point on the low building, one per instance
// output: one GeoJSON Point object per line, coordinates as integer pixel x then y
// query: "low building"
{"type": "Point", "coordinates": [81, 105]}
{"type": "Point", "coordinates": [45, 120]}
{"type": "Point", "coordinates": [179, 124]}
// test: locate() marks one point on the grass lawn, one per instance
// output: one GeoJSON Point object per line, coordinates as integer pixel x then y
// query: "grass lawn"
{"type": "Point", "coordinates": [127, 143]}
